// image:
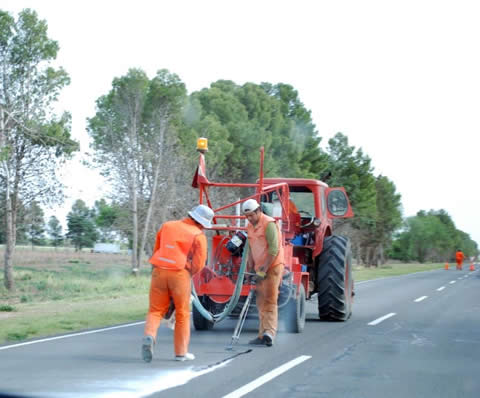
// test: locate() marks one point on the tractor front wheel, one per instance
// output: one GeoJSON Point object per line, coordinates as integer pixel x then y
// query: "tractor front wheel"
{"type": "Point", "coordinates": [334, 279]}
{"type": "Point", "coordinates": [294, 313]}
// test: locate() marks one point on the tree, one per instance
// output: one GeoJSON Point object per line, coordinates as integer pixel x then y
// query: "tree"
{"type": "Point", "coordinates": [81, 226]}
{"type": "Point", "coordinates": [55, 231]}
{"type": "Point", "coordinates": [135, 136]}
{"type": "Point", "coordinates": [431, 236]}
{"type": "Point", "coordinates": [388, 219]}
{"type": "Point", "coordinates": [238, 120]}
{"type": "Point", "coordinates": [352, 169]}
{"type": "Point", "coordinates": [35, 224]}
{"type": "Point", "coordinates": [108, 219]}
{"type": "Point", "coordinates": [33, 140]}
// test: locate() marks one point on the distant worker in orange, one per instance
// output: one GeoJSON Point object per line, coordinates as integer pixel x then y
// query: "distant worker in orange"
{"type": "Point", "coordinates": [180, 251]}
{"type": "Point", "coordinates": [459, 257]}
{"type": "Point", "coordinates": [266, 258]}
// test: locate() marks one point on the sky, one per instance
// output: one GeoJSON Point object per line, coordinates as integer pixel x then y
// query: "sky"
{"type": "Point", "coordinates": [401, 79]}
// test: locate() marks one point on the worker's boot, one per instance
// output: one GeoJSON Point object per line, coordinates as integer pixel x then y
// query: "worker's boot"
{"type": "Point", "coordinates": [187, 357]}
{"type": "Point", "coordinates": [257, 341]}
{"type": "Point", "coordinates": [268, 340]}
{"type": "Point", "coordinates": [147, 348]}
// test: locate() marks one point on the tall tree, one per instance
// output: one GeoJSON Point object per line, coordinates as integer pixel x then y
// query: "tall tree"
{"type": "Point", "coordinates": [81, 226]}
{"type": "Point", "coordinates": [388, 219]}
{"type": "Point", "coordinates": [35, 224]}
{"type": "Point", "coordinates": [134, 136]}
{"type": "Point", "coordinates": [238, 120]}
{"type": "Point", "coordinates": [55, 231]}
{"type": "Point", "coordinates": [33, 140]}
{"type": "Point", "coordinates": [352, 169]}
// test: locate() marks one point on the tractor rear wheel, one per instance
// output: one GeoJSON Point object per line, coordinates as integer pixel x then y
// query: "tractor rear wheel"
{"type": "Point", "coordinates": [294, 313]}
{"type": "Point", "coordinates": [334, 279]}
{"type": "Point", "coordinates": [199, 322]}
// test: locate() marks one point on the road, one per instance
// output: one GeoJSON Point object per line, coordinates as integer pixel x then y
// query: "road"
{"type": "Point", "coordinates": [410, 336]}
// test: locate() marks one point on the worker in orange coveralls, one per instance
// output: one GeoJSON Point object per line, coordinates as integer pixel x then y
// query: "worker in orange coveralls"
{"type": "Point", "coordinates": [180, 251]}
{"type": "Point", "coordinates": [266, 258]}
{"type": "Point", "coordinates": [459, 257]}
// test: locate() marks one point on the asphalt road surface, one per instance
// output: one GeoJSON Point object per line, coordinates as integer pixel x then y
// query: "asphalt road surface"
{"type": "Point", "coordinates": [410, 336]}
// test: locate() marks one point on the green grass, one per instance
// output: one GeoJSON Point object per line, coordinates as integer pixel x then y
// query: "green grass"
{"type": "Point", "coordinates": [388, 270]}
{"type": "Point", "coordinates": [64, 291]}
{"type": "Point", "coordinates": [67, 291]}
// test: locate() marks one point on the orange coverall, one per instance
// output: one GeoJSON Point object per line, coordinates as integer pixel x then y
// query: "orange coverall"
{"type": "Point", "coordinates": [180, 251]}
{"type": "Point", "coordinates": [459, 257]}
{"type": "Point", "coordinates": [266, 289]}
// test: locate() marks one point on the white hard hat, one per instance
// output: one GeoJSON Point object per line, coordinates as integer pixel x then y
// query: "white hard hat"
{"type": "Point", "coordinates": [250, 206]}
{"type": "Point", "coordinates": [203, 215]}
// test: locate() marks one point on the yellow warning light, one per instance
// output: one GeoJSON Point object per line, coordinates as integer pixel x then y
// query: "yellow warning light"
{"type": "Point", "coordinates": [202, 144]}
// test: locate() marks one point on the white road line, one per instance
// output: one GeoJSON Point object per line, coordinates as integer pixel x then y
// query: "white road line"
{"type": "Point", "coordinates": [381, 319]}
{"type": "Point", "coordinates": [70, 335]}
{"type": "Point", "coordinates": [267, 377]}
{"type": "Point", "coordinates": [452, 282]}
{"type": "Point", "coordinates": [420, 299]}
{"type": "Point", "coordinates": [441, 288]}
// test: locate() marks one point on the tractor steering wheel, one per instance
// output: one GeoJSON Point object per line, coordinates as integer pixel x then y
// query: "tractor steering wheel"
{"type": "Point", "coordinates": [307, 214]}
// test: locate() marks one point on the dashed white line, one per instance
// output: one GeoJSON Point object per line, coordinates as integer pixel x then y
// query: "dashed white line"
{"type": "Point", "coordinates": [420, 299]}
{"type": "Point", "coordinates": [441, 288]}
{"type": "Point", "coordinates": [452, 282]}
{"type": "Point", "coordinates": [381, 319]}
{"type": "Point", "coordinates": [267, 377]}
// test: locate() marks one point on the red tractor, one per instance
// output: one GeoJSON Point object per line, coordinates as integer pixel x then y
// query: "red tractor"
{"type": "Point", "coordinates": [317, 262]}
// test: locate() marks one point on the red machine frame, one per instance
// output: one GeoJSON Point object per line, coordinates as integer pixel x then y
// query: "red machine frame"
{"type": "Point", "coordinates": [219, 288]}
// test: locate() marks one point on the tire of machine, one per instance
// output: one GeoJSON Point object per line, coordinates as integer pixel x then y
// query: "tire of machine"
{"type": "Point", "coordinates": [334, 279]}
{"type": "Point", "coordinates": [199, 322]}
{"type": "Point", "coordinates": [294, 313]}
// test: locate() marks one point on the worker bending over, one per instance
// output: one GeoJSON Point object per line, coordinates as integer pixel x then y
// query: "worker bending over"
{"type": "Point", "coordinates": [266, 258]}
{"type": "Point", "coordinates": [180, 251]}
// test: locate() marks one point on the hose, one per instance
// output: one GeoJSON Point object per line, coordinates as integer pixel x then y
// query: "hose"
{"type": "Point", "coordinates": [232, 303]}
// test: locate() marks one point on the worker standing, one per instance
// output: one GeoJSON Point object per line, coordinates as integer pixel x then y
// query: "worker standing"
{"type": "Point", "coordinates": [459, 257]}
{"type": "Point", "coordinates": [180, 251]}
{"type": "Point", "coordinates": [266, 258]}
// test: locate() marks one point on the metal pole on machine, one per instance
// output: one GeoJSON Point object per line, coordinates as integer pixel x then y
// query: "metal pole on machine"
{"type": "Point", "coordinates": [260, 179]}
{"type": "Point", "coordinates": [241, 320]}
{"type": "Point", "coordinates": [243, 314]}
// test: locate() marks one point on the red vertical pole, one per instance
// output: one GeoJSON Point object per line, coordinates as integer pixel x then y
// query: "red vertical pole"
{"type": "Point", "coordinates": [202, 172]}
{"type": "Point", "coordinates": [260, 180]}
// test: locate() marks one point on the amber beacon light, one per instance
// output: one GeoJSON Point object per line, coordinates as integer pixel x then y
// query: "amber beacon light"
{"type": "Point", "coordinates": [202, 144]}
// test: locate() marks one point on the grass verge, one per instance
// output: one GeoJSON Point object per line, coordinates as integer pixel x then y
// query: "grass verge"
{"type": "Point", "coordinates": [362, 273]}
{"type": "Point", "coordinates": [61, 292]}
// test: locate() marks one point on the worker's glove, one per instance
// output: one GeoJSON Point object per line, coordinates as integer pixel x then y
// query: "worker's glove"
{"type": "Point", "coordinates": [261, 275]}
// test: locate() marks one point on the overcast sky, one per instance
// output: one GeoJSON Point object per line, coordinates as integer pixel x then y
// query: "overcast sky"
{"type": "Point", "coordinates": [400, 78]}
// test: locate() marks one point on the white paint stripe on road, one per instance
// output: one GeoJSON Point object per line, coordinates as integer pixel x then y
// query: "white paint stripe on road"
{"type": "Point", "coordinates": [70, 335]}
{"type": "Point", "coordinates": [452, 282]}
{"type": "Point", "coordinates": [267, 377]}
{"type": "Point", "coordinates": [441, 288]}
{"type": "Point", "coordinates": [381, 319]}
{"type": "Point", "coordinates": [420, 299]}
